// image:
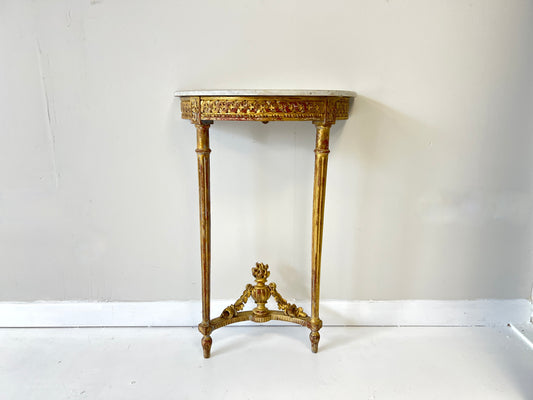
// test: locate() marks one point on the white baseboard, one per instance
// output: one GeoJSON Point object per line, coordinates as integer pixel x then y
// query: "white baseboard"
{"type": "Point", "coordinates": [332, 312]}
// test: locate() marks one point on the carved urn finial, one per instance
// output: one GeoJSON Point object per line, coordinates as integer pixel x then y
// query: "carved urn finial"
{"type": "Point", "coordinates": [260, 292]}
{"type": "Point", "coordinates": [260, 272]}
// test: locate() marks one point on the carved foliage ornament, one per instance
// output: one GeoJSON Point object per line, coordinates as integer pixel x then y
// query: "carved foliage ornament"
{"type": "Point", "coordinates": [261, 293]}
{"type": "Point", "coordinates": [264, 108]}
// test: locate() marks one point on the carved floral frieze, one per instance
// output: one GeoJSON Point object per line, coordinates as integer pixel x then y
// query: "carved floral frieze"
{"type": "Point", "coordinates": [265, 108]}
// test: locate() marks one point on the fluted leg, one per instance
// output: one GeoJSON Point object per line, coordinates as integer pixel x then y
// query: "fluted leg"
{"type": "Point", "coordinates": [202, 152]}
{"type": "Point", "coordinates": [319, 194]}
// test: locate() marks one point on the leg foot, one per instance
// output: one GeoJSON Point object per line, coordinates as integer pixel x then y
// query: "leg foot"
{"type": "Point", "coordinates": [315, 337]}
{"type": "Point", "coordinates": [206, 344]}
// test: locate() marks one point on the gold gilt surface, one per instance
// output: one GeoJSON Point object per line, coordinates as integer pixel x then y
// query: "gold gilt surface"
{"type": "Point", "coordinates": [261, 293]}
{"type": "Point", "coordinates": [264, 108]}
{"type": "Point", "coordinates": [202, 111]}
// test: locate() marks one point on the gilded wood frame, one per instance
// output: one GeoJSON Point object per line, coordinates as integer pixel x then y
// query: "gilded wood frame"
{"type": "Point", "coordinates": [323, 111]}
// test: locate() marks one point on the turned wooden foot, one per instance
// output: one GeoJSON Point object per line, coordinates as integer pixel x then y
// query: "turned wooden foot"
{"type": "Point", "coordinates": [206, 345]}
{"type": "Point", "coordinates": [315, 337]}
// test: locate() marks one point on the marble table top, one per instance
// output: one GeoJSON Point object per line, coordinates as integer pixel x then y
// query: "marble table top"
{"type": "Point", "coordinates": [264, 92]}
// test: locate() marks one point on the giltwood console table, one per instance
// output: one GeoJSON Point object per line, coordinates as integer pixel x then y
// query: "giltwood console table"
{"type": "Point", "coordinates": [323, 108]}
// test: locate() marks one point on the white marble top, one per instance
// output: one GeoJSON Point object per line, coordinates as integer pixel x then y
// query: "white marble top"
{"type": "Point", "coordinates": [264, 92]}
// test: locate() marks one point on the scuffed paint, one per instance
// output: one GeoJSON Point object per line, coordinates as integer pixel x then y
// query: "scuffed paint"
{"type": "Point", "coordinates": [49, 113]}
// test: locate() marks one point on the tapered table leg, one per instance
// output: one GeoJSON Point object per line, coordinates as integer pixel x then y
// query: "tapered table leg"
{"type": "Point", "coordinates": [202, 152]}
{"type": "Point", "coordinates": [319, 195]}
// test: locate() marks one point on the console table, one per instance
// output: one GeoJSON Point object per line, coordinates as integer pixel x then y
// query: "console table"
{"type": "Point", "coordinates": [323, 108]}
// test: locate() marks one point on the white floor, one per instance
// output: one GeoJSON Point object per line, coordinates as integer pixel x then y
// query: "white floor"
{"type": "Point", "coordinates": [266, 363]}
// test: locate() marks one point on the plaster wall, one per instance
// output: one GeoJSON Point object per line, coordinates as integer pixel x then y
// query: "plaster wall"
{"type": "Point", "coordinates": [429, 190]}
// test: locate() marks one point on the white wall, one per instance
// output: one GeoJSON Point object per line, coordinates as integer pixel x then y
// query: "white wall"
{"type": "Point", "coordinates": [429, 190]}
